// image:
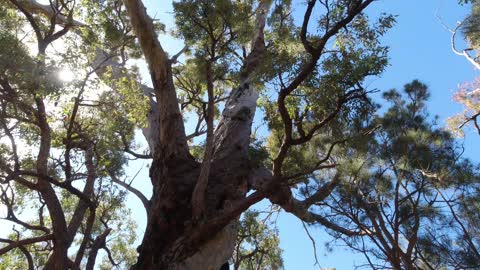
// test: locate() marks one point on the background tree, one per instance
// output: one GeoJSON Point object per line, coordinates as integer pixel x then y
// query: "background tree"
{"type": "Point", "coordinates": [467, 94]}
{"type": "Point", "coordinates": [462, 251]}
{"type": "Point", "coordinates": [55, 164]}
{"type": "Point", "coordinates": [257, 244]}
{"type": "Point", "coordinates": [469, 28]}
{"type": "Point", "coordinates": [405, 191]}
{"type": "Point", "coordinates": [81, 134]}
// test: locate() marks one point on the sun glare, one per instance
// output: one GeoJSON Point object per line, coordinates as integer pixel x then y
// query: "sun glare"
{"type": "Point", "coordinates": [66, 75]}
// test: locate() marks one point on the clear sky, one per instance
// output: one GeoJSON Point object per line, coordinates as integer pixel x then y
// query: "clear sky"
{"type": "Point", "coordinates": [419, 49]}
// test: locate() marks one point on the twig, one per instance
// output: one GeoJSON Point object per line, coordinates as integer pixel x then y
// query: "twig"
{"type": "Point", "coordinates": [314, 244]}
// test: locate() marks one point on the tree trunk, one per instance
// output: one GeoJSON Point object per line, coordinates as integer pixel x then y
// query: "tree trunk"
{"type": "Point", "coordinates": [170, 241]}
{"type": "Point", "coordinates": [174, 239]}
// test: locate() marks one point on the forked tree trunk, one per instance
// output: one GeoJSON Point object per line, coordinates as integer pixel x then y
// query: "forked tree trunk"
{"type": "Point", "coordinates": [169, 241]}
{"type": "Point", "coordinates": [173, 239]}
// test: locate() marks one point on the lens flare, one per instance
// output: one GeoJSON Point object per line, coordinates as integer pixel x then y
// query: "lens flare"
{"type": "Point", "coordinates": [66, 75]}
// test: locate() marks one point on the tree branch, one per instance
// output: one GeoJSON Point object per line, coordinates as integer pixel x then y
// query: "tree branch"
{"type": "Point", "coordinates": [97, 244]}
{"type": "Point", "coordinates": [232, 135]}
{"type": "Point", "coordinates": [23, 242]}
{"type": "Point", "coordinates": [136, 192]}
{"type": "Point", "coordinates": [172, 138]}
{"type": "Point", "coordinates": [307, 69]}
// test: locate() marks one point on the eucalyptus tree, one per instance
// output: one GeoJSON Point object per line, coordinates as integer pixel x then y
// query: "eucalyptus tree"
{"type": "Point", "coordinates": [467, 94]}
{"type": "Point", "coordinates": [79, 136]}
{"type": "Point", "coordinates": [406, 190]}
{"type": "Point", "coordinates": [257, 244]}
{"type": "Point", "coordinates": [469, 29]}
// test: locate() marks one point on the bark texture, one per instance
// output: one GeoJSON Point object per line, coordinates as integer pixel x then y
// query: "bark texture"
{"type": "Point", "coordinates": [172, 239]}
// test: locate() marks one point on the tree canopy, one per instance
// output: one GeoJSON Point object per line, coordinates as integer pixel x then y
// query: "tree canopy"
{"type": "Point", "coordinates": [75, 109]}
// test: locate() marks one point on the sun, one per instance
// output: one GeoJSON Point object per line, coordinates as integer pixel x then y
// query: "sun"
{"type": "Point", "coordinates": [66, 75]}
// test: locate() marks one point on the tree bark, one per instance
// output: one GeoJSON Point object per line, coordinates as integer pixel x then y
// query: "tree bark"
{"type": "Point", "coordinates": [173, 239]}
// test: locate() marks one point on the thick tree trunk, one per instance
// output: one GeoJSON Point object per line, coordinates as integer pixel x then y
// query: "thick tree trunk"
{"type": "Point", "coordinates": [171, 239]}
{"type": "Point", "coordinates": [168, 243]}
{"type": "Point", "coordinates": [174, 239]}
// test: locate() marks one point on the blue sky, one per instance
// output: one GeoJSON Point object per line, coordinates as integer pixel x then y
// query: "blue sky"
{"type": "Point", "coordinates": [419, 49]}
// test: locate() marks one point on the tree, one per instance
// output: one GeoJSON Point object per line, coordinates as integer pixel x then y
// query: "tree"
{"type": "Point", "coordinates": [257, 244]}
{"type": "Point", "coordinates": [82, 133]}
{"type": "Point", "coordinates": [406, 190]}
{"type": "Point", "coordinates": [467, 94]}
{"type": "Point", "coordinates": [469, 28]}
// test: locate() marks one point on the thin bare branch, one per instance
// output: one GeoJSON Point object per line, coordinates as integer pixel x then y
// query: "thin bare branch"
{"type": "Point", "coordinates": [23, 242]}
